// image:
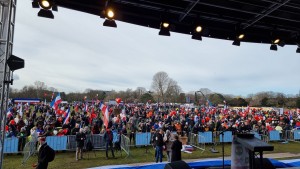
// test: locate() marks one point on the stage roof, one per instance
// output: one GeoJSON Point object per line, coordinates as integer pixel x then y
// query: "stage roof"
{"type": "Point", "coordinates": [261, 20]}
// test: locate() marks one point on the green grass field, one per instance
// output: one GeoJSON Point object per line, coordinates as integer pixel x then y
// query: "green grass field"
{"type": "Point", "coordinates": [66, 160]}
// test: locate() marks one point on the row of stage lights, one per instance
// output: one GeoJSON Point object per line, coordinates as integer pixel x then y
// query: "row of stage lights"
{"type": "Point", "coordinates": [108, 14]}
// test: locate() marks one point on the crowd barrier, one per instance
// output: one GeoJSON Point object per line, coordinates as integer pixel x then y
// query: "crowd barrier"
{"type": "Point", "coordinates": [208, 137]}
{"type": "Point", "coordinates": [225, 137]}
{"type": "Point", "coordinates": [30, 148]}
{"type": "Point", "coordinates": [59, 143]}
{"type": "Point", "coordinates": [198, 141]}
{"type": "Point", "coordinates": [142, 139]}
{"type": "Point", "coordinates": [125, 144]}
{"type": "Point", "coordinates": [11, 145]}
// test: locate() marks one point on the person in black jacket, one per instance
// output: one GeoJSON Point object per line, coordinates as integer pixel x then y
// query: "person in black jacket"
{"type": "Point", "coordinates": [80, 138]}
{"type": "Point", "coordinates": [176, 149]}
{"type": "Point", "coordinates": [159, 142]}
{"type": "Point", "coordinates": [42, 156]}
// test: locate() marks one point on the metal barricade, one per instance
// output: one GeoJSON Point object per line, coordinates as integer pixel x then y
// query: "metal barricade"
{"type": "Point", "coordinates": [29, 150]}
{"type": "Point", "coordinates": [197, 141]}
{"type": "Point", "coordinates": [98, 141]}
{"type": "Point", "coordinates": [57, 142]}
{"type": "Point", "coordinates": [208, 137]}
{"type": "Point", "coordinates": [142, 139]}
{"type": "Point", "coordinates": [125, 142]}
{"type": "Point", "coordinates": [11, 145]}
{"type": "Point", "coordinates": [225, 136]}
{"type": "Point", "coordinates": [274, 135]}
{"type": "Point", "coordinates": [71, 144]}
{"type": "Point", "coordinates": [295, 135]}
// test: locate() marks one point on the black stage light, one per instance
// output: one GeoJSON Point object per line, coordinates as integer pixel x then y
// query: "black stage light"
{"type": "Point", "coordinates": [35, 4]}
{"type": "Point", "coordinates": [109, 15]}
{"type": "Point", "coordinates": [236, 42]}
{"type": "Point", "coordinates": [164, 29]}
{"type": "Point", "coordinates": [281, 43]}
{"type": "Point", "coordinates": [273, 47]}
{"type": "Point", "coordinates": [46, 13]}
{"type": "Point", "coordinates": [46, 4]}
{"type": "Point", "coordinates": [196, 34]}
{"type": "Point", "coordinates": [110, 23]}
{"type": "Point", "coordinates": [298, 50]}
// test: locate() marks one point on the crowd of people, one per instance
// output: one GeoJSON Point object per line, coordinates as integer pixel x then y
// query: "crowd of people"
{"type": "Point", "coordinates": [70, 119]}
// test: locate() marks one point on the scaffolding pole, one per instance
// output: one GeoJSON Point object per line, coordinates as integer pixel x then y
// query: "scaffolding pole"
{"type": "Point", "coordinates": [7, 24]}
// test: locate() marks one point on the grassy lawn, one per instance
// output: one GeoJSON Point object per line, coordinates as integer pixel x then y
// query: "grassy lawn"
{"type": "Point", "coordinates": [66, 160]}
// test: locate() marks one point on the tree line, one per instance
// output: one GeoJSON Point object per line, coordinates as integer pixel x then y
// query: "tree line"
{"type": "Point", "coordinates": [165, 90]}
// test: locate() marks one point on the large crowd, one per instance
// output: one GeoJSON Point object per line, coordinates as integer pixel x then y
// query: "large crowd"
{"type": "Point", "coordinates": [42, 120]}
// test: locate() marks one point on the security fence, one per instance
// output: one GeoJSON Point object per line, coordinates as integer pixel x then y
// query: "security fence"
{"type": "Point", "coordinates": [60, 143]}
{"type": "Point", "coordinates": [198, 141]}
{"type": "Point", "coordinates": [125, 144]}
{"type": "Point", "coordinates": [30, 149]}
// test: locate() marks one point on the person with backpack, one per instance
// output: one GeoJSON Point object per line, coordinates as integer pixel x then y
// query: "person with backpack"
{"type": "Point", "coordinates": [46, 154]}
{"type": "Point", "coordinates": [108, 138]}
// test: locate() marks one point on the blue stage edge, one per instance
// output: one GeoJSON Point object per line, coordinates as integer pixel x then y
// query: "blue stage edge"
{"type": "Point", "coordinates": [202, 164]}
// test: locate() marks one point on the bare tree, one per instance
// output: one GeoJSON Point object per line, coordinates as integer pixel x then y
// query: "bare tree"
{"type": "Point", "coordinates": [140, 91]}
{"type": "Point", "coordinates": [40, 88]}
{"type": "Point", "coordinates": [160, 83]}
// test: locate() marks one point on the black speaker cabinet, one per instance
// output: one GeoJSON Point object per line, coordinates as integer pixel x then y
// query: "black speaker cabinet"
{"type": "Point", "coordinates": [177, 165]}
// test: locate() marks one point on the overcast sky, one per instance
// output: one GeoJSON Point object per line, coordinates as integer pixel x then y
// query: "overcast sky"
{"type": "Point", "coordinates": [74, 52]}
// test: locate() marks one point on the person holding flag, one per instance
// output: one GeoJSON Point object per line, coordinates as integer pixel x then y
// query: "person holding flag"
{"type": "Point", "coordinates": [106, 115]}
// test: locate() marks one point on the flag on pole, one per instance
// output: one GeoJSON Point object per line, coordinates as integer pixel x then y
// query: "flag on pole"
{"type": "Point", "coordinates": [105, 114]}
{"type": "Point", "coordinates": [9, 112]}
{"type": "Point", "coordinates": [20, 109]}
{"type": "Point", "coordinates": [54, 104]}
{"type": "Point", "coordinates": [67, 119]}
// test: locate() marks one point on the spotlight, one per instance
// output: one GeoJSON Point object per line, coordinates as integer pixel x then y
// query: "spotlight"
{"type": "Point", "coordinates": [198, 29]}
{"type": "Point", "coordinates": [298, 49]}
{"type": "Point", "coordinates": [281, 43]}
{"type": "Point", "coordinates": [276, 41]}
{"type": "Point", "coordinates": [165, 24]}
{"type": "Point", "coordinates": [273, 47]}
{"type": "Point", "coordinates": [45, 4]}
{"type": "Point", "coordinates": [35, 4]}
{"type": "Point", "coordinates": [196, 34]}
{"type": "Point", "coordinates": [109, 14]}
{"type": "Point", "coordinates": [46, 14]}
{"type": "Point", "coordinates": [164, 29]}
{"type": "Point", "coordinates": [110, 23]}
{"type": "Point", "coordinates": [236, 42]}
{"type": "Point", "coordinates": [241, 36]}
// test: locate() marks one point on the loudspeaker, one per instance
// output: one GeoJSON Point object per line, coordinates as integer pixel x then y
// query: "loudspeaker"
{"type": "Point", "coordinates": [177, 165]}
{"type": "Point", "coordinates": [267, 164]}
